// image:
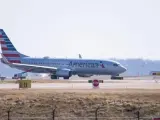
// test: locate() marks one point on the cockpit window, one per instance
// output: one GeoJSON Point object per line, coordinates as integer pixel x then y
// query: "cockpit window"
{"type": "Point", "coordinates": [115, 65]}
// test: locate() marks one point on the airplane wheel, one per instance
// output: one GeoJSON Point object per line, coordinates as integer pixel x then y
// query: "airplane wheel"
{"type": "Point", "coordinates": [116, 77]}
{"type": "Point", "coordinates": [65, 77]}
{"type": "Point", "coordinates": [53, 77]}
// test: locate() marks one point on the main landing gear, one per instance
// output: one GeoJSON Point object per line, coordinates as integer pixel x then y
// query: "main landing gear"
{"type": "Point", "coordinates": [116, 77]}
{"type": "Point", "coordinates": [53, 77]}
{"type": "Point", "coordinates": [65, 77]}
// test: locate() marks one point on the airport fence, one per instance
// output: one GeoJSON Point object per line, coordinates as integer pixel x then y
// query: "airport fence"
{"type": "Point", "coordinates": [101, 112]}
{"type": "Point", "coordinates": [83, 118]}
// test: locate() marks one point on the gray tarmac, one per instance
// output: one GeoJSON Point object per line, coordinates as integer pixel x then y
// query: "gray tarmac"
{"type": "Point", "coordinates": [143, 82]}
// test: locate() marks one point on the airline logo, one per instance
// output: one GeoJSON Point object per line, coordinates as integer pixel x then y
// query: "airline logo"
{"type": "Point", "coordinates": [8, 50]}
{"type": "Point", "coordinates": [86, 65]}
{"type": "Point", "coordinates": [102, 65]}
{"type": "Point", "coordinates": [83, 65]}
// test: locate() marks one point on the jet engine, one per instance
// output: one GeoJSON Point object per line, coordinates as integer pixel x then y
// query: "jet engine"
{"type": "Point", "coordinates": [63, 73]}
{"type": "Point", "coordinates": [85, 75]}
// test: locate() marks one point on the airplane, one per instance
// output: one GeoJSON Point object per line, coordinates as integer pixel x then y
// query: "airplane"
{"type": "Point", "coordinates": [56, 67]}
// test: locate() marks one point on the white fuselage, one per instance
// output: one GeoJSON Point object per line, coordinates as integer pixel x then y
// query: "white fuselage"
{"type": "Point", "coordinates": [79, 66]}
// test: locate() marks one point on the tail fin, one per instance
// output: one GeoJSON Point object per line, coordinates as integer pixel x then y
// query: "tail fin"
{"type": "Point", "coordinates": [8, 50]}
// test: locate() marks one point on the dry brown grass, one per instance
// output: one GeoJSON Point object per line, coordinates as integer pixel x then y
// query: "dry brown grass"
{"type": "Point", "coordinates": [79, 103]}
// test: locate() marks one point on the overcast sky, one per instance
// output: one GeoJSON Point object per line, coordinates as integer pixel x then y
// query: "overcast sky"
{"type": "Point", "coordinates": [94, 28]}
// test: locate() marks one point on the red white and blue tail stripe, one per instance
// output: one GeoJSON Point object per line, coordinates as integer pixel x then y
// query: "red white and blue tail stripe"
{"type": "Point", "coordinates": [8, 49]}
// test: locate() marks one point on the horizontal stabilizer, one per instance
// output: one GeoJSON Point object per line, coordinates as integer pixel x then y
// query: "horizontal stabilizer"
{"type": "Point", "coordinates": [4, 59]}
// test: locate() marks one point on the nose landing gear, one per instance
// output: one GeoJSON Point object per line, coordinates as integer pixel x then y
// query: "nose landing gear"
{"type": "Point", "coordinates": [116, 77]}
{"type": "Point", "coordinates": [53, 77]}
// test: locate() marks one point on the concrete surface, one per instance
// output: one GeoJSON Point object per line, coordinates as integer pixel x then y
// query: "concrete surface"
{"type": "Point", "coordinates": [108, 84]}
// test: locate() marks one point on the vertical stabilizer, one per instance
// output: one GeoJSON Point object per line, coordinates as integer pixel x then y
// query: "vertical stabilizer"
{"type": "Point", "coordinates": [9, 52]}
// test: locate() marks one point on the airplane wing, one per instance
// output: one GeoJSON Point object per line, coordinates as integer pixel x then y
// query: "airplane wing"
{"type": "Point", "coordinates": [28, 67]}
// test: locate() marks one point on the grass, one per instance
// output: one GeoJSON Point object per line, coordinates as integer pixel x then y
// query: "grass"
{"type": "Point", "coordinates": [79, 103]}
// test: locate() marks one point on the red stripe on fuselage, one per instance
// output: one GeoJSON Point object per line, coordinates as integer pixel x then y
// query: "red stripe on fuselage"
{"type": "Point", "coordinates": [15, 61]}
{"type": "Point", "coordinates": [11, 55]}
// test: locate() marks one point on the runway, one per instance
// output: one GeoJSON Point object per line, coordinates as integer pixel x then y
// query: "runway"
{"type": "Point", "coordinates": [108, 84]}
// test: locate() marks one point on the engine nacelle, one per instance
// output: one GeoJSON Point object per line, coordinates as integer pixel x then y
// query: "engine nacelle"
{"type": "Point", "coordinates": [85, 75]}
{"type": "Point", "coordinates": [19, 75]}
{"type": "Point", "coordinates": [63, 73]}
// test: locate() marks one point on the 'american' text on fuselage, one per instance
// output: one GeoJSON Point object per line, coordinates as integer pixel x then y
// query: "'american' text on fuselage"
{"type": "Point", "coordinates": [81, 64]}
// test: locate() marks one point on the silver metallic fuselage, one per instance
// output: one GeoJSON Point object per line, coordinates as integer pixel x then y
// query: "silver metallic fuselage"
{"type": "Point", "coordinates": [79, 66]}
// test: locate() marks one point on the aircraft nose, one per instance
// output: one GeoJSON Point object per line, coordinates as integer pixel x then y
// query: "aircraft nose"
{"type": "Point", "coordinates": [123, 69]}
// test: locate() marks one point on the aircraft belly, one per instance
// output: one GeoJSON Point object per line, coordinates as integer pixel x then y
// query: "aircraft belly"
{"type": "Point", "coordinates": [92, 71]}
{"type": "Point", "coordinates": [100, 71]}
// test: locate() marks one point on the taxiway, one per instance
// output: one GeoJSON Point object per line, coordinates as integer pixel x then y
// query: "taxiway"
{"type": "Point", "coordinates": [82, 84]}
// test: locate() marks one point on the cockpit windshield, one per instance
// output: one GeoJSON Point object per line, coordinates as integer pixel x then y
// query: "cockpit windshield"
{"type": "Point", "coordinates": [115, 64]}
